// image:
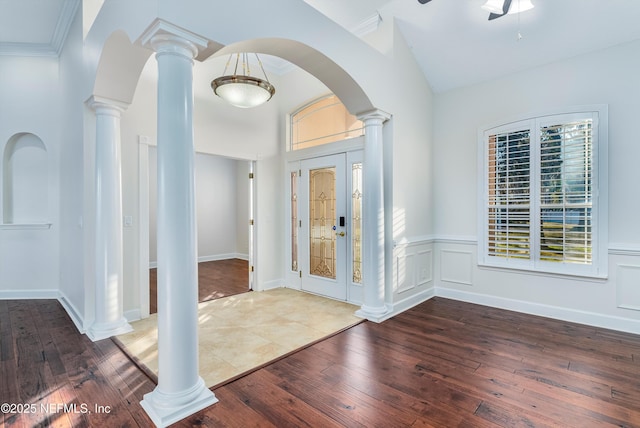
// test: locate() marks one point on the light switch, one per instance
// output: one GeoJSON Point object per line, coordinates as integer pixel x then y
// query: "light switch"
{"type": "Point", "coordinates": [128, 221]}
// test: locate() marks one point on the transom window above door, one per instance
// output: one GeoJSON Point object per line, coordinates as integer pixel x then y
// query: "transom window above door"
{"type": "Point", "coordinates": [323, 121]}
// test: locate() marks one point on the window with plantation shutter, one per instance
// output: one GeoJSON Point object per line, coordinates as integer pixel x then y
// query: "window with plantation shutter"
{"type": "Point", "coordinates": [566, 192]}
{"type": "Point", "coordinates": [509, 210]}
{"type": "Point", "coordinates": [541, 208]}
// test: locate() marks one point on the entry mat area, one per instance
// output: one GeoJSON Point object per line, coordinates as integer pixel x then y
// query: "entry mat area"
{"type": "Point", "coordinates": [240, 333]}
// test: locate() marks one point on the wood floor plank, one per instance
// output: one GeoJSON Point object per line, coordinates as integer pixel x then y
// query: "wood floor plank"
{"type": "Point", "coordinates": [442, 363]}
{"type": "Point", "coordinates": [6, 335]}
{"type": "Point", "coordinates": [276, 405]}
{"type": "Point", "coordinates": [216, 279]}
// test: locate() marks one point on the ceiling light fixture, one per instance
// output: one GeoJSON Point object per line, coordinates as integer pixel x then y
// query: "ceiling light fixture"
{"type": "Point", "coordinates": [493, 6]}
{"type": "Point", "coordinates": [502, 7]}
{"type": "Point", "coordinates": [243, 90]}
{"type": "Point", "coordinates": [520, 6]}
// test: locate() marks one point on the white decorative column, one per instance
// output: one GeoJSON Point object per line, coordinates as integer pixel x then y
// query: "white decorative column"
{"type": "Point", "coordinates": [180, 391]}
{"type": "Point", "coordinates": [373, 241]}
{"type": "Point", "coordinates": [109, 319]}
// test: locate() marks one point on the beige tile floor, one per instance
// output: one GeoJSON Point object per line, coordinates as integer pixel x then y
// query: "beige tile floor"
{"type": "Point", "coordinates": [240, 333]}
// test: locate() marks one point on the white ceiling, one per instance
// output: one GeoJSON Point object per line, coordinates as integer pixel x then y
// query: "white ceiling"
{"type": "Point", "coordinates": [456, 45]}
{"type": "Point", "coordinates": [452, 40]}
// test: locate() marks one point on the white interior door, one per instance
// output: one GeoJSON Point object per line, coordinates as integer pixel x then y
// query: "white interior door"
{"type": "Point", "coordinates": [323, 228]}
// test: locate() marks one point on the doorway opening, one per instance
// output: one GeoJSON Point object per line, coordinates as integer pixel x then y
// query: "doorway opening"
{"type": "Point", "coordinates": [224, 208]}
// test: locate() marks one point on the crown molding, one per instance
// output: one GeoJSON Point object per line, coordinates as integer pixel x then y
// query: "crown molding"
{"type": "Point", "coordinates": [367, 26]}
{"type": "Point", "coordinates": [67, 14]}
{"type": "Point", "coordinates": [53, 48]}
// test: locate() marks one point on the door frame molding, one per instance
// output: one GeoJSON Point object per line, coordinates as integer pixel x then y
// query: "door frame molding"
{"type": "Point", "coordinates": [142, 255]}
{"type": "Point", "coordinates": [349, 147]}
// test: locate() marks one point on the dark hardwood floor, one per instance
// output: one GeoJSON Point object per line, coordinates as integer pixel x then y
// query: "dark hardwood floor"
{"type": "Point", "coordinates": [441, 364]}
{"type": "Point", "coordinates": [216, 279]}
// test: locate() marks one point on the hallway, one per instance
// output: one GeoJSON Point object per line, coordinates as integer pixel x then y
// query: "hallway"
{"type": "Point", "coordinates": [216, 279]}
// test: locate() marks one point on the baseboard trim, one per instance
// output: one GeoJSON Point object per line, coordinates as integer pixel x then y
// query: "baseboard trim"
{"type": "Point", "coordinates": [216, 257]}
{"type": "Point", "coordinates": [213, 258]}
{"type": "Point", "coordinates": [408, 303]}
{"type": "Point", "coordinates": [270, 285]}
{"type": "Point", "coordinates": [133, 315]}
{"type": "Point", "coordinates": [28, 294]}
{"type": "Point", "coordinates": [72, 311]}
{"type": "Point", "coordinates": [555, 312]}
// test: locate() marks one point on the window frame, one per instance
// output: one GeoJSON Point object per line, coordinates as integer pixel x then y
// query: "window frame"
{"type": "Point", "coordinates": [598, 268]}
{"type": "Point", "coordinates": [291, 147]}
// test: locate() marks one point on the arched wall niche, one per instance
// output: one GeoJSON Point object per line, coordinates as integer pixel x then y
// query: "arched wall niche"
{"type": "Point", "coordinates": [25, 180]}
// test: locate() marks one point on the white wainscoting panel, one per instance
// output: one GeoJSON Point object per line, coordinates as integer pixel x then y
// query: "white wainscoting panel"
{"type": "Point", "coordinates": [405, 272]}
{"type": "Point", "coordinates": [456, 266]}
{"type": "Point", "coordinates": [628, 287]}
{"type": "Point", "coordinates": [413, 268]}
{"type": "Point", "coordinates": [424, 267]}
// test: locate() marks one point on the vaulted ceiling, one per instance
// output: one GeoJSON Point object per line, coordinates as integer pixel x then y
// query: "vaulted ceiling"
{"type": "Point", "coordinates": [453, 41]}
{"type": "Point", "coordinates": [456, 45]}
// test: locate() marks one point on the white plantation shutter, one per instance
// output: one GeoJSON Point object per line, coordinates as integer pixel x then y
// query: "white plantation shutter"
{"type": "Point", "coordinates": [540, 202]}
{"type": "Point", "coordinates": [509, 195]}
{"type": "Point", "coordinates": [566, 192]}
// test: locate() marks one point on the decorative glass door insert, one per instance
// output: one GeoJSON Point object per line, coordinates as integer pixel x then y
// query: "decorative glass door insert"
{"type": "Point", "coordinates": [325, 197]}
{"type": "Point", "coordinates": [356, 222]}
{"type": "Point", "coordinates": [322, 228]}
{"type": "Point", "coordinates": [294, 220]}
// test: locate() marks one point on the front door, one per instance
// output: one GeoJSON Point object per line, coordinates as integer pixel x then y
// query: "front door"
{"type": "Point", "coordinates": [324, 244]}
{"type": "Point", "coordinates": [323, 226]}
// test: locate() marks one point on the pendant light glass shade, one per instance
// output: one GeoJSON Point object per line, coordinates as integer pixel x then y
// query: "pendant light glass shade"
{"type": "Point", "coordinates": [493, 6]}
{"type": "Point", "coordinates": [243, 90]}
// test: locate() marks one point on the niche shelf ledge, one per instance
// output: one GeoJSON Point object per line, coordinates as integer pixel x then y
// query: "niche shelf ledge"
{"type": "Point", "coordinates": [25, 226]}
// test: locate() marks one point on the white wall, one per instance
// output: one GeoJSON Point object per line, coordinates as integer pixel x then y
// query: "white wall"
{"type": "Point", "coordinates": [605, 77]}
{"type": "Point", "coordinates": [71, 251]}
{"type": "Point", "coordinates": [220, 214]}
{"type": "Point", "coordinates": [30, 94]}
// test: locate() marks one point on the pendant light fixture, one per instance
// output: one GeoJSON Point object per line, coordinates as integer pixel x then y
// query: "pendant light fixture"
{"type": "Point", "coordinates": [242, 89]}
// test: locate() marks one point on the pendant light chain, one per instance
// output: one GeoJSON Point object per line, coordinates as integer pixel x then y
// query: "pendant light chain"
{"type": "Point", "coordinates": [262, 68]}
{"type": "Point", "coordinates": [245, 65]}
{"type": "Point", "coordinates": [519, 34]}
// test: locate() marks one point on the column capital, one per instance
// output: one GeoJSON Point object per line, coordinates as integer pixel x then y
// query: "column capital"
{"type": "Point", "coordinates": [374, 115]}
{"type": "Point", "coordinates": [103, 105]}
{"type": "Point", "coordinates": [164, 37]}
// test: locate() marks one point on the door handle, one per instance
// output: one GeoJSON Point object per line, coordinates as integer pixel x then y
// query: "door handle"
{"type": "Point", "coordinates": [340, 233]}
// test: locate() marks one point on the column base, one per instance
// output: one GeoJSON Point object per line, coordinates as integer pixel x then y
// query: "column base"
{"type": "Point", "coordinates": [375, 314]}
{"type": "Point", "coordinates": [165, 409]}
{"type": "Point", "coordinates": [99, 331]}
